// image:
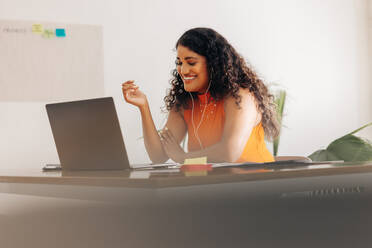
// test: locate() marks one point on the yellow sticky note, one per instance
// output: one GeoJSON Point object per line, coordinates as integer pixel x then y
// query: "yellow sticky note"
{"type": "Point", "coordinates": [201, 160]}
{"type": "Point", "coordinates": [196, 173]}
{"type": "Point", "coordinates": [37, 28]}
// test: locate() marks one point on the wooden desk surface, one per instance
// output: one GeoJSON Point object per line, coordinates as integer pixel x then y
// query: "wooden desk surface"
{"type": "Point", "coordinates": [162, 178]}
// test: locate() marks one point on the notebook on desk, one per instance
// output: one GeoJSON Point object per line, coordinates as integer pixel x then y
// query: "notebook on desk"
{"type": "Point", "coordinates": [88, 136]}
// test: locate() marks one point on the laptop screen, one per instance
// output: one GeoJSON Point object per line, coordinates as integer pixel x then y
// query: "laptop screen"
{"type": "Point", "coordinates": [87, 134]}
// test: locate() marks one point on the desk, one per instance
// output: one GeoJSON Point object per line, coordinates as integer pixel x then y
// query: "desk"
{"type": "Point", "coordinates": [324, 206]}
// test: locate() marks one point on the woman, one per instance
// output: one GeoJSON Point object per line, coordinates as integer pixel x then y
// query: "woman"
{"type": "Point", "coordinates": [216, 99]}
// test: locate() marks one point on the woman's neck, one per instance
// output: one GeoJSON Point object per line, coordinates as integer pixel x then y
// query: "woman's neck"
{"type": "Point", "coordinates": [204, 98]}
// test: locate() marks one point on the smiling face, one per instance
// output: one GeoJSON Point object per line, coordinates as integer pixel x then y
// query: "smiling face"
{"type": "Point", "coordinates": [192, 68]}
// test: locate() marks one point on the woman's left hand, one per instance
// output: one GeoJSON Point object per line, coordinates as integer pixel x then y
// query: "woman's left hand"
{"type": "Point", "coordinates": [171, 147]}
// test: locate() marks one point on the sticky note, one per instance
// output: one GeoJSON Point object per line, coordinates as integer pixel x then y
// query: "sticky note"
{"type": "Point", "coordinates": [196, 167]}
{"type": "Point", "coordinates": [48, 33]}
{"type": "Point", "coordinates": [37, 28]}
{"type": "Point", "coordinates": [201, 160]}
{"type": "Point", "coordinates": [60, 32]}
{"type": "Point", "coordinates": [196, 173]}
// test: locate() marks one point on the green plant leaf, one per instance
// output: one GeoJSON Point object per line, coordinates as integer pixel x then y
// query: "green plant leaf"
{"type": "Point", "coordinates": [351, 148]}
{"type": "Point", "coordinates": [276, 145]}
{"type": "Point", "coordinates": [357, 130]}
{"type": "Point", "coordinates": [280, 103]}
{"type": "Point", "coordinates": [348, 148]}
{"type": "Point", "coordinates": [323, 155]}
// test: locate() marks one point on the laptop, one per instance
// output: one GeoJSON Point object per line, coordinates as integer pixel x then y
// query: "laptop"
{"type": "Point", "coordinates": [87, 135]}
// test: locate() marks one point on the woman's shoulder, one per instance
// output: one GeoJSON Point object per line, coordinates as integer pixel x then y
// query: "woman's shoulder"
{"type": "Point", "coordinates": [177, 110]}
{"type": "Point", "coordinates": [245, 96]}
{"type": "Point", "coordinates": [247, 103]}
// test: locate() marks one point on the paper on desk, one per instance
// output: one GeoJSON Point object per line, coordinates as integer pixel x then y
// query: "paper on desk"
{"type": "Point", "coordinates": [145, 174]}
{"type": "Point", "coordinates": [282, 165]}
{"type": "Point", "coordinates": [201, 160]}
{"type": "Point", "coordinates": [147, 166]}
{"type": "Point", "coordinates": [216, 165]}
{"type": "Point", "coordinates": [139, 175]}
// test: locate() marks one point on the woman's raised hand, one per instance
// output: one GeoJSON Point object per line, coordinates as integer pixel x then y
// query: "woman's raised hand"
{"type": "Point", "coordinates": [133, 95]}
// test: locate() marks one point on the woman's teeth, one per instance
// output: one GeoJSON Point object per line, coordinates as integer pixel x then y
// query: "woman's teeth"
{"type": "Point", "coordinates": [188, 78]}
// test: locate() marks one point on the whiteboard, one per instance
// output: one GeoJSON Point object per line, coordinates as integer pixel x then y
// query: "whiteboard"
{"type": "Point", "coordinates": [38, 62]}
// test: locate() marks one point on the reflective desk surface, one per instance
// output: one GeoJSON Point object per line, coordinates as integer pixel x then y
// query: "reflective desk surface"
{"type": "Point", "coordinates": [310, 206]}
{"type": "Point", "coordinates": [163, 178]}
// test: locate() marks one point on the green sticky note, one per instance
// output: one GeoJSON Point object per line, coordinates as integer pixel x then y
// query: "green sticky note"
{"type": "Point", "coordinates": [48, 33]}
{"type": "Point", "coordinates": [37, 28]}
{"type": "Point", "coordinates": [60, 32]}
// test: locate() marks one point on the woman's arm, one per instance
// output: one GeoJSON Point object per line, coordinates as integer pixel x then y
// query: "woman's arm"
{"type": "Point", "coordinates": [134, 96]}
{"type": "Point", "coordinates": [152, 142]}
{"type": "Point", "coordinates": [175, 124]}
{"type": "Point", "coordinates": [239, 123]}
{"type": "Point", "coordinates": [151, 138]}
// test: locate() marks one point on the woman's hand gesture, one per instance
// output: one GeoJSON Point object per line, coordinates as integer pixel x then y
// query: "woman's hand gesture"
{"type": "Point", "coordinates": [133, 95]}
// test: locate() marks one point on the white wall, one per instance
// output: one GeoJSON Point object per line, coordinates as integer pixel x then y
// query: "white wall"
{"type": "Point", "coordinates": [315, 49]}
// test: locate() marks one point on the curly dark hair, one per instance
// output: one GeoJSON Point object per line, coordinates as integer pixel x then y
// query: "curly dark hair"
{"type": "Point", "coordinates": [228, 72]}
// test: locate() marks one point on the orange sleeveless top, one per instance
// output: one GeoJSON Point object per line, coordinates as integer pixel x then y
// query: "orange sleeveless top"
{"type": "Point", "coordinates": [211, 128]}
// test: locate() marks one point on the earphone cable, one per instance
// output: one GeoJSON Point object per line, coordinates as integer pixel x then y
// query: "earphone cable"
{"type": "Point", "coordinates": [196, 130]}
